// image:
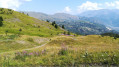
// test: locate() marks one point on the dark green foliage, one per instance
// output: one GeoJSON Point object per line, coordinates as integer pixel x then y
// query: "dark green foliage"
{"type": "Point", "coordinates": [63, 27]}
{"type": "Point", "coordinates": [1, 23]}
{"type": "Point", "coordinates": [56, 26]}
{"type": "Point", "coordinates": [27, 14]}
{"type": "Point", "coordinates": [20, 29]}
{"type": "Point", "coordinates": [6, 32]}
{"type": "Point", "coordinates": [19, 32]}
{"type": "Point", "coordinates": [30, 40]}
{"type": "Point", "coordinates": [68, 33]}
{"type": "Point", "coordinates": [64, 33]}
{"type": "Point", "coordinates": [111, 35]}
{"type": "Point", "coordinates": [53, 23]}
{"type": "Point", "coordinates": [47, 21]}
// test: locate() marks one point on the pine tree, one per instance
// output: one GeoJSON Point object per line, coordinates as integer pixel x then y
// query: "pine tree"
{"type": "Point", "coordinates": [47, 21]}
{"type": "Point", "coordinates": [64, 33]}
{"type": "Point", "coordinates": [20, 30]}
{"type": "Point", "coordinates": [68, 33]}
{"type": "Point", "coordinates": [53, 23]}
{"type": "Point", "coordinates": [1, 19]}
{"type": "Point", "coordinates": [56, 26]}
{"type": "Point", "coordinates": [27, 14]}
{"type": "Point", "coordinates": [6, 32]}
{"type": "Point", "coordinates": [63, 27]}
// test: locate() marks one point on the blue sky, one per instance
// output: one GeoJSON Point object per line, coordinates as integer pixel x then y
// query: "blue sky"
{"type": "Point", "coordinates": [62, 6]}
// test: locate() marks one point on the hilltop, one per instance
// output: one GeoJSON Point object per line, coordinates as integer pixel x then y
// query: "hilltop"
{"type": "Point", "coordinates": [19, 23]}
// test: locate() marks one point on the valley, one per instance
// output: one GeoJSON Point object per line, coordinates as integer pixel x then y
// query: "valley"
{"type": "Point", "coordinates": [86, 23]}
{"type": "Point", "coordinates": [29, 42]}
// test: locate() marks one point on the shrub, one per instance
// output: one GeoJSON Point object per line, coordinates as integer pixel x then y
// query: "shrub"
{"type": "Point", "coordinates": [1, 19]}
{"type": "Point", "coordinates": [30, 39]}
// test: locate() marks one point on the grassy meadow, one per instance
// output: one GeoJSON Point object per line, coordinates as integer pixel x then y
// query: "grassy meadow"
{"type": "Point", "coordinates": [29, 42]}
{"type": "Point", "coordinates": [66, 51]}
{"type": "Point", "coordinates": [13, 21]}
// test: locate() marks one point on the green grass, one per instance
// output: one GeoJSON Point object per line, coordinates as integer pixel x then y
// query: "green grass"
{"type": "Point", "coordinates": [68, 51]}
{"type": "Point", "coordinates": [14, 42]}
{"type": "Point", "coordinates": [29, 25]}
{"type": "Point", "coordinates": [38, 44]}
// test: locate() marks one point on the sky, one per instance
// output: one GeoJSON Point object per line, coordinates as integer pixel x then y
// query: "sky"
{"type": "Point", "coordinates": [59, 6]}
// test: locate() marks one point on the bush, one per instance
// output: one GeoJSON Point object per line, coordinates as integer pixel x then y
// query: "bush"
{"type": "Point", "coordinates": [1, 19]}
{"type": "Point", "coordinates": [30, 39]}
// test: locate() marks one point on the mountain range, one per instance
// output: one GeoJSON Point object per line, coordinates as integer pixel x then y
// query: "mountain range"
{"type": "Point", "coordinates": [108, 17]}
{"type": "Point", "coordinates": [89, 22]}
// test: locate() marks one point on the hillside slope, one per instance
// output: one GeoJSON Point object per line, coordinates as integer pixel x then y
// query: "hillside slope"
{"type": "Point", "coordinates": [19, 23]}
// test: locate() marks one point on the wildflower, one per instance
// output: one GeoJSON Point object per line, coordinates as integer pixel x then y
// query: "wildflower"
{"type": "Point", "coordinates": [37, 53]}
{"type": "Point", "coordinates": [30, 53]}
{"type": "Point", "coordinates": [102, 55]}
{"type": "Point", "coordinates": [43, 51]}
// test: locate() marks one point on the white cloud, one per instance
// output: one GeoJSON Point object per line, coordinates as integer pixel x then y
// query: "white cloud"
{"type": "Point", "coordinates": [96, 6]}
{"type": "Point", "coordinates": [88, 6]}
{"type": "Point", "coordinates": [67, 9]}
{"type": "Point", "coordinates": [116, 4]}
{"type": "Point", "coordinates": [12, 4]}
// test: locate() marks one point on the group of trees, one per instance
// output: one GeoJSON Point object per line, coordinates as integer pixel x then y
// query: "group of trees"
{"type": "Point", "coordinates": [54, 24]}
{"type": "Point", "coordinates": [111, 35]}
{"type": "Point", "coordinates": [67, 33]}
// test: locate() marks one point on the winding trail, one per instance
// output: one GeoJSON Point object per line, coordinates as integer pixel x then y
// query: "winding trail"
{"type": "Point", "coordinates": [37, 46]}
{"type": "Point", "coordinates": [27, 48]}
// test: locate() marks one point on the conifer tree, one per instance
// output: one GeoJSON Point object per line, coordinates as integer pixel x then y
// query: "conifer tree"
{"type": "Point", "coordinates": [56, 26]}
{"type": "Point", "coordinates": [1, 23]}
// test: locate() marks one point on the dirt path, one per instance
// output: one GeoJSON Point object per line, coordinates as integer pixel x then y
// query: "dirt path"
{"type": "Point", "coordinates": [26, 49]}
{"type": "Point", "coordinates": [36, 47]}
